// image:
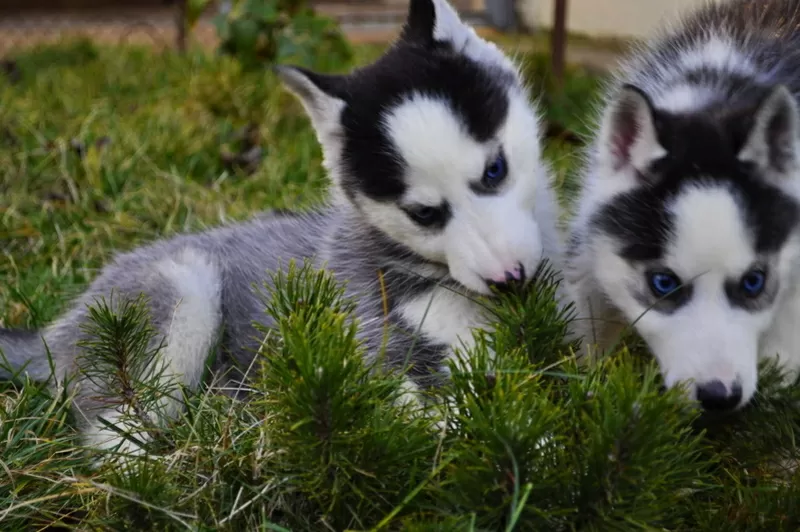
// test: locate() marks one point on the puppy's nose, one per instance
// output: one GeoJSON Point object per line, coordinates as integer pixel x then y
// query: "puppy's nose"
{"type": "Point", "coordinates": [715, 396]}
{"type": "Point", "coordinates": [510, 278]}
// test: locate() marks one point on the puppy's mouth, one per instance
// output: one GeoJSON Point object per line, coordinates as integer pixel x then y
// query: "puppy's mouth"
{"type": "Point", "coordinates": [477, 284]}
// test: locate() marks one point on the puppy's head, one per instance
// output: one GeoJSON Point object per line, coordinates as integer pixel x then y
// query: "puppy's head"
{"type": "Point", "coordinates": [436, 144]}
{"type": "Point", "coordinates": [697, 233]}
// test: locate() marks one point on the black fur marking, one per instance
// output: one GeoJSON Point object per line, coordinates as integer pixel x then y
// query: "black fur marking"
{"type": "Point", "coordinates": [477, 95]}
{"type": "Point", "coordinates": [738, 298]}
{"type": "Point", "coordinates": [729, 86]}
{"type": "Point", "coordinates": [428, 216]}
{"type": "Point", "coordinates": [702, 150]}
{"type": "Point", "coordinates": [639, 221]}
{"type": "Point", "coordinates": [20, 334]}
{"type": "Point", "coordinates": [420, 23]}
{"type": "Point", "coordinates": [424, 370]}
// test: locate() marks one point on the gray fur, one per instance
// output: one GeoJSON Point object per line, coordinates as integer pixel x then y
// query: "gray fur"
{"type": "Point", "coordinates": [246, 253]}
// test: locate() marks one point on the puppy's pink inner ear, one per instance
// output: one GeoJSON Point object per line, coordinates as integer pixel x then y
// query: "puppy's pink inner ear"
{"type": "Point", "coordinates": [625, 132]}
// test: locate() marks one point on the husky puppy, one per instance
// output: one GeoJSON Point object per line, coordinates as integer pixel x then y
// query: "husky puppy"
{"type": "Point", "coordinates": [686, 227]}
{"type": "Point", "coordinates": [440, 195]}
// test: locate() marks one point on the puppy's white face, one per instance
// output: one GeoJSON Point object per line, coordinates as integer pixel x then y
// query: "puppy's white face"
{"type": "Point", "coordinates": [437, 145]}
{"type": "Point", "coordinates": [695, 240]}
{"type": "Point", "coordinates": [467, 204]}
{"type": "Point", "coordinates": [704, 304]}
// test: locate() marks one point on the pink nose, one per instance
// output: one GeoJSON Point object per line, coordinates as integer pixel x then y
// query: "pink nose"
{"type": "Point", "coordinates": [509, 277]}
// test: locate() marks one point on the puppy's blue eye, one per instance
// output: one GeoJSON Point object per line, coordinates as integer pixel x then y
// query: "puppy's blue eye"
{"type": "Point", "coordinates": [495, 172]}
{"type": "Point", "coordinates": [663, 283]}
{"type": "Point", "coordinates": [753, 283]}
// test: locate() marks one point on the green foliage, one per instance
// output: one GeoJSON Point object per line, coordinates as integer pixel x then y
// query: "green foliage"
{"type": "Point", "coordinates": [352, 440]}
{"type": "Point", "coordinates": [194, 9]}
{"type": "Point", "coordinates": [77, 53]}
{"type": "Point", "coordinates": [37, 453]}
{"type": "Point", "coordinates": [102, 149]}
{"type": "Point", "coordinates": [120, 360]}
{"type": "Point", "coordinates": [572, 106]}
{"type": "Point", "coordinates": [263, 32]}
{"type": "Point", "coordinates": [545, 444]}
{"type": "Point", "coordinates": [532, 319]}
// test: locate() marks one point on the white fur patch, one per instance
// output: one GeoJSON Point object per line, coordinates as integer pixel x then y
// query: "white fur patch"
{"type": "Point", "coordinates": [683, 98]}
{"type": "Point", "coordinates": [100, 437]}
{"type": "Point", "coordinates": [441, 156]}
{"type": "Point", "coordinates": [449, 28]}
{"type": "Point", "coordinates": [710, 234]}
{"type": "Point", "coordinates": [445, 317]}
{"type": "Point", "coordinates": [717, 52]}
{"type": "Point", "coordinates": [196, 318]}
{"type": "Point", "coordinates": [409, 395]}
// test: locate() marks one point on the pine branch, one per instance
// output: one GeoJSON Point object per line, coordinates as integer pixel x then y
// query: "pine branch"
{"type": "Point", "coordinates": [120, 358]}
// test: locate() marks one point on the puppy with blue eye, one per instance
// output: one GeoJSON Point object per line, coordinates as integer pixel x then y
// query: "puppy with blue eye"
{"type": "Point", "coordinates": [440, 194]}
{"type": "Point", "coordinates": [688, 222]}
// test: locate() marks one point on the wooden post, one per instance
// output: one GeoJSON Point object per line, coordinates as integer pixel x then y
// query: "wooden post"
{"type": "Point", "coordinates": [558, 42]}
{"type": "Point", "coordinates": [180, 25]}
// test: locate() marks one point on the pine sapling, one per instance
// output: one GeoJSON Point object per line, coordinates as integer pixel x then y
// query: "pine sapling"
{"type": "Point", "coordinates": [120, 360]}
{"type": "Point", "coordinates": [346, 441]}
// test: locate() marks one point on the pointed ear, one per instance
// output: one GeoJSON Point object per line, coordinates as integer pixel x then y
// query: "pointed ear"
{"type": "Point", "coordinates": [772, 142]}
{"type": "Point", "coordinates": [420, 23]}
{"type": "Point", "coordinates": [628, 134]}
{"type": "Point", "coordinates": [322, 95]}
{"type": "Point", "coordinates": [433, 23]}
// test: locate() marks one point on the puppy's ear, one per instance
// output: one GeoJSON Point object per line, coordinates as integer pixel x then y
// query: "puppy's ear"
{"type": "Point", "coordinates": [322, 96]}
{"type": "Point", "coordinates": [772, 141]}
{"type": "Point", "coordinates": [628, 134]}
{"type": "Point", "coordinates": [420, 23]}
{"type": "Point", "coordinates": [432, 23]}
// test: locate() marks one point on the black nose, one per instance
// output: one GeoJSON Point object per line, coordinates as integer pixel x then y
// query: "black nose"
{"type": "Point", "coordinates": [512, 280]}
{"type": "Point", "coordinates": [715, 396]}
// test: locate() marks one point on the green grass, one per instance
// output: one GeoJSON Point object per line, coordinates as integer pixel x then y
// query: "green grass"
{"type": "Point", "coordinates": [103, 149]}
{"type": "Point", "coordinates": [167, 121]}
